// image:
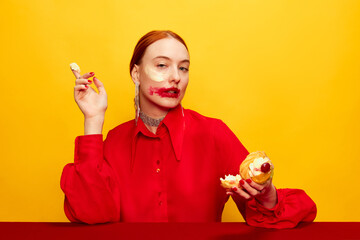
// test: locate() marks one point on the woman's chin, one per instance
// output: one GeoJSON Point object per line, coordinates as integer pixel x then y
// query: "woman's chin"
{"type": "Point", "coordinates": [169, 102]}
{"type": "Point", "coordinates": [156, 103]}
{"type": "Point", "coordinates": [170, 105]}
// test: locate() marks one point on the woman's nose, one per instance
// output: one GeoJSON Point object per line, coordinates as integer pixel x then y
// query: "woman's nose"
{"type": "Point", "coordinates": [175, 75]}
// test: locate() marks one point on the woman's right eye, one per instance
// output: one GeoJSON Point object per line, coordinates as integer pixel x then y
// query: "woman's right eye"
{"type": "Point", "coordinates": [161, 65]}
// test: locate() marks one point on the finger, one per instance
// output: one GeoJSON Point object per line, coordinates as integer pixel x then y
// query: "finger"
{"type": "Point", "coordinates": [88, 75]}
{"type": "Point", "coordinates": [99, 85]}
{"type": "Point", "coordinates": [229, 190]}
{"type": "Point", "coordinates": [252, 191]}
{"type": "Point", "coordinates": [75, 69]}
{"type": "Point", "coordinates": [82, 81]}
{"type": "Point", "coordinates": [255, 185]}
{"type": "Point", "coordinates": [76, 73]}
{"type": "Point", "coordinates": [81, 88]}
{"type": "Point", "coordinates": [230, 193]}
{"type": "Point", "coordinates": [241, 193]}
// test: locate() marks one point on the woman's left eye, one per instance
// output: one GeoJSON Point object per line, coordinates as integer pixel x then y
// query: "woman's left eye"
{"type": "Point", "coordinates": [184, 69]}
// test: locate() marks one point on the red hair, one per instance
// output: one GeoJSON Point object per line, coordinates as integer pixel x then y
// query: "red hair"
{"type": "Point", "coordinates": [147, 40]}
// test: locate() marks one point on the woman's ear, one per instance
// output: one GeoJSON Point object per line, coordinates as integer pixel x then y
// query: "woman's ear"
{"type": "Point", "coordinates": [135, 74]}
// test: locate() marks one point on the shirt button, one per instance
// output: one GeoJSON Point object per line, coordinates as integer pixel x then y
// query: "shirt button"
{"type": "Point", "coordinates": [160, 203]}
{"type": "Point", "coordinates": [158, 162]}
{"type": "Point", "coordinates": [158, 170]}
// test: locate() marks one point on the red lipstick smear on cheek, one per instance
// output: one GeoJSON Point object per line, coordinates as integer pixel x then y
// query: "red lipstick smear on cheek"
{"type": "Point", "coordinates": [151, 90]}
{"type": "Point", "coordinates": [165, 92]}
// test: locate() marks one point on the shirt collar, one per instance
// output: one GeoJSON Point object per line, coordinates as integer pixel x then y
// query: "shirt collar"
{"type": "Point", "coordinates": [174, 122]}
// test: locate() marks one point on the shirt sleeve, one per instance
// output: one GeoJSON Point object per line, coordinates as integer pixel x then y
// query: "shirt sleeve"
{"type": "Point", "coordinates": [293, 206]}
{"type": "Point", "coordinates": [229, 150]}
{"type": "Point", "coordinates": [90, 187]}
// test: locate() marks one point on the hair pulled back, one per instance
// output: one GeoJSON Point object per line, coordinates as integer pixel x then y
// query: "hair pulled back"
{"type": "Point", "coordinates": [149, 39]}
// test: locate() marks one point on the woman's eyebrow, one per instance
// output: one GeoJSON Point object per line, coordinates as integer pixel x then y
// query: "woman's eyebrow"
{"type": "Point", "coordinates": [165, 57]}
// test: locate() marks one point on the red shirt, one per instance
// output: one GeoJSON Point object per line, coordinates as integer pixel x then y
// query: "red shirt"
{"type": "Point", "coordinates": [171, 176]}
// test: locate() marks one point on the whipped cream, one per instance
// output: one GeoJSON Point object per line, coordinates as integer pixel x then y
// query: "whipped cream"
{"type": "Point", "coordinates": [231, 178]}
{"type": "Point", "coordinates": [75, 67]}
{"type": "Point", "coordinates": [255, 166]}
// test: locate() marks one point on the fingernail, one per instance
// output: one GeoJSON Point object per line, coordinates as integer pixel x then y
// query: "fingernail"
{"type": "Point", "coordinates": [234, 189]}
{"type": "Point", "coordinates": [248, 180]}
{"type": "Point", "coordinates": [242, 182]}
{"type": "Point", "coordinates": [95, 78]}
{"type": "Point", "coordinates": [86, 86]}
{"type": "Point", "coordinates": [92, 73]}
{"type": "Point", "coordinates": [89, 81]}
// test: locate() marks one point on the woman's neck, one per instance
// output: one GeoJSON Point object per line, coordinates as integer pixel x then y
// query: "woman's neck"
{"type": "Point", "coordinates": [151, 129]}
{"type": "Point", "coordinates": [152, 117]}
{"type": "Point", "coordinates": [154, 112]}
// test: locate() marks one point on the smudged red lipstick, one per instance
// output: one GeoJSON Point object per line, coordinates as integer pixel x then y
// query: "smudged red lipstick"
{"type": "Point", "coordinates": [165, 92]}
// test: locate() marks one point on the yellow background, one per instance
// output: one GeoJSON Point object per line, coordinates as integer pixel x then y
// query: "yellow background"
{"type": "Point", "coordinates": [283, 75]}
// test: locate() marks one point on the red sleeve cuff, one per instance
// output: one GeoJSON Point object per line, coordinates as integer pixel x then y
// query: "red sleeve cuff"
{"type": "Point", "coordinates": [276, 210]}
{"type": "Point", "coordinates": [88, 147]}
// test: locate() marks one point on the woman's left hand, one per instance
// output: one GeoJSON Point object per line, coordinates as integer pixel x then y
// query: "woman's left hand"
{"type": "Point", "coordinates": [265, 193]}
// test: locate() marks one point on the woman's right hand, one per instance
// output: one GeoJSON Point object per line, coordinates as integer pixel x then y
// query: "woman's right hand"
{"type": "Point", "coordinates": [92, 104]}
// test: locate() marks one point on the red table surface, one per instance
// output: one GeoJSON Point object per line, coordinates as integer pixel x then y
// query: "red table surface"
{"type": "Point", "coordinates": [42, 230]}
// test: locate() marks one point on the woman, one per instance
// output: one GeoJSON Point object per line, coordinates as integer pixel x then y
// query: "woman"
{"type": "Point", "coordinates": [165, 164]}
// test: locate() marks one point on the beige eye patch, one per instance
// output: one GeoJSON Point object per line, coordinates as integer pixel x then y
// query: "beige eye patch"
{"type": "Point", "coordinates": [156, 75]}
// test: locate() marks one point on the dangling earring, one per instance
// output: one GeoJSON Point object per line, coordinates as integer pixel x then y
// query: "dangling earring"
{"type": "Point", "coordinates": [137, 102]}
